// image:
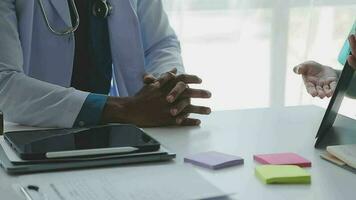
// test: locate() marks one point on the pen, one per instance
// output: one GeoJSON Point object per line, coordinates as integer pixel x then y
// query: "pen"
{"type": "Point", "coordinates": [27, 195]}
{"type": "Point", "coordinates": [25, 190]}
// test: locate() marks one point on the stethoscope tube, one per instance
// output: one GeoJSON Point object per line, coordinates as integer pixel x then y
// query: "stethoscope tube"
{"type": "Point", "coordinates": [65, 32]}
{"type": "Point", "coordinates": [101, 8]}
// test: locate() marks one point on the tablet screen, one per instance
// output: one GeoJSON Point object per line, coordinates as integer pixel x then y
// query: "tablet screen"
{"type": "Point", "coordinates": [339, 93]}
{"type": "Point", "coordinates": [335, 103]}
{"type": "Point", "coordinates": [35, 144]}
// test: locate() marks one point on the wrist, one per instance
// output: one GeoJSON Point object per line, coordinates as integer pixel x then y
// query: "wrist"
{"type": "Point", "coordinates": [116, 110]}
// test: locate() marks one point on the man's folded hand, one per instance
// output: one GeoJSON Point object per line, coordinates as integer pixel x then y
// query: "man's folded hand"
{"type": "Point", "coordinates": [161, 102]}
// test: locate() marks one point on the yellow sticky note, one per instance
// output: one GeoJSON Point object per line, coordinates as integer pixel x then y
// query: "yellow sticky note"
{"type": "Point", "coordinates": [274, 174]}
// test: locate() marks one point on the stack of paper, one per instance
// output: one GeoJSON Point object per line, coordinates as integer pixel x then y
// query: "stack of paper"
{"type": "Point", "coordinates": [158, 182]}
{"type": "Point", "coordinates": [282, 168]}
{"type": "Point", "coordinates": [341, 155]}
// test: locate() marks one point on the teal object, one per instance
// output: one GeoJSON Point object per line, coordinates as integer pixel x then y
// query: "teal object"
{"type": "Point", "coordinates": [345, 51]}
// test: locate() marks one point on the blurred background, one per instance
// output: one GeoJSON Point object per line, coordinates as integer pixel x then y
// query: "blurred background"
{"type": "Point", "coordinates": [245, 50]}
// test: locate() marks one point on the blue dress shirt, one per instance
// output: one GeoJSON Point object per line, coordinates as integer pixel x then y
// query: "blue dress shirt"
{"type": "Point", "coordinates": [91, 111]}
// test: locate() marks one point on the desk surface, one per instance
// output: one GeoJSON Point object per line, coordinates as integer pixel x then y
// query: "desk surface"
{"type": "Point", "coordinates": [249, 132]}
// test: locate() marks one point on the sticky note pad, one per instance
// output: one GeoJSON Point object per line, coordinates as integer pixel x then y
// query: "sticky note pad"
{"type": "Point", "coordinates": [283, 174]}
{"type": "Point", "coordinates": [282, 159]}
{"type": "Point", "coordinates": [345, 51]}
{"type": "Point", "coordinates": [214, 160]}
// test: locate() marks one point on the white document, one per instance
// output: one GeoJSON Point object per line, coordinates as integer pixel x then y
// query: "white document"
{"type": "Point", "coordinates": [346, 153]}
{"type": "Point", "coordinates": [158, 182]}
{"type": "Point", "coordinates": [9, 151]}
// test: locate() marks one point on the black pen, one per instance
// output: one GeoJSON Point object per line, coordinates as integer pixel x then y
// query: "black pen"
{"type": "Point", "coordinates": [24, 190]}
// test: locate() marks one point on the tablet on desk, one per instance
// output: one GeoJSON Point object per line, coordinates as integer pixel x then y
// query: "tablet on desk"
{"type": "Point", "coordinates": [326, 134]}
{"type": "Point", "coordinates": [334, 105]}
{"type": "Point", "coordinates": [83, 142]}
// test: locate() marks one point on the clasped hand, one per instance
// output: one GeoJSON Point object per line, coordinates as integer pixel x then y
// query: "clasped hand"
{"type": "Point", "coordinates": [167, 100]}
{"type": "Point", "coordinates": [161, 102]}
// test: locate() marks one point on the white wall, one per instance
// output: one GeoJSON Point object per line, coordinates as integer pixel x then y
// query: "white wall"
{"type": "Point", "coordinates": [245, 49]}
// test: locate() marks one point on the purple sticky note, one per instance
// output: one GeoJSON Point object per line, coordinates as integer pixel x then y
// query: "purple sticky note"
{"type": "Point", "coordinates": [214, 160]}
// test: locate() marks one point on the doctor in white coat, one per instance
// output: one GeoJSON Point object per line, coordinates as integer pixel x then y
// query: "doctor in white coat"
{"type": "Point", "coordinates": [38, 49]}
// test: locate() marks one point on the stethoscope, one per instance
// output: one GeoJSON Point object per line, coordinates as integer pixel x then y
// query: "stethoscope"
{"type": "Point", "coordinates": [101, 8]}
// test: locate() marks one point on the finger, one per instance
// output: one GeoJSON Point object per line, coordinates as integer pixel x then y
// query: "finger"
{"type": "Point", "coordinates": [181, 118]}
{"type": "Point", "coordinates": [311, 89]}
{"type": "Point", "coordinates": [296, 69]}
{"type": "Point", "coordinates": [327, 90]}
{"type": "Point", "coordinates": [189, 79]}
{"type": "Point", "coordinates": [333, 85]}
{"type": "Point", "coordinates": [174, 71]}
{"type": "Point", "coordinates": [148, 79]}
{"type": "Point", "coordinates": [326, 87]}
{"type": "Point", "coordinates": [190, 122]}
{"type": "Point", "coordinates": [179, 107]}
{"type": "Point", "coordinates": [331, 82]}
{"type": "Point", "coordinates": [352, 58]}
{"type": "Point", "coordinates": [352, 61]}
{"type": "Point", "coordinates": [300, 69]}
{"type": "Point", "coordinates": [197, 110]}
{"type": "Point", "coordinates": [176, 91]}
{"type": "Point", "coordinates": [320, 91]}
{"type": "Point", "coordinates": [166, 77]}
{"type": "Point", "coordinates": [195, 93]}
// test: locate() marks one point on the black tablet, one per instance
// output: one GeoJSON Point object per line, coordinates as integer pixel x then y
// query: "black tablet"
{"type": "Point", "coordinates": [335, 103]}
{"type": "Point", "coordinates": [82, 142]}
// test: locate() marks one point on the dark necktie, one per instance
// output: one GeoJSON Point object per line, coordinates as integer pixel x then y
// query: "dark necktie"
{"type": "Point", "coordinates": [92, 66]}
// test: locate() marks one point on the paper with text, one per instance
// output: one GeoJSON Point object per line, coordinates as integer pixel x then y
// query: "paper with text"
{"type": "Point", "coordinates": [174, 182]}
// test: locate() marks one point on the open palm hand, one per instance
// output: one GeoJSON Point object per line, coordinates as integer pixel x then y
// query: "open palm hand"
{"type": "Point", "coordinates": [319, 80]}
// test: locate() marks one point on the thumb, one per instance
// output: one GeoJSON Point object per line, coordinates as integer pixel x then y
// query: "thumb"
{"type": "Point", "coordinates": [174, 71]}
{"type": "Point", "coordinates": [300, 69]}
{"type": "Point", "coordinates": [148, 78]}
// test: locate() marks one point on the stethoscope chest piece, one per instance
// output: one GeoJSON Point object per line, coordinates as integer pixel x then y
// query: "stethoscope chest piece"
{"type": "Point", "coordinates": [101, 8]}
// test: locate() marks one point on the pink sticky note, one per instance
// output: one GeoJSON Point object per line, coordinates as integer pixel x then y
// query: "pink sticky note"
{"type": "Point", "coordinates": [282, 159]}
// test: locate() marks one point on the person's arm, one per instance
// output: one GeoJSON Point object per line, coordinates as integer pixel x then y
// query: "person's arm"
{"type": "Point", "coordinates": [26, 100]}
{"type": "Point", "coordinates": [162, 48]}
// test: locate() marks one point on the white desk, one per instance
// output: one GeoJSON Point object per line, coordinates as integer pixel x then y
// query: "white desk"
{"type": "Point", "coordinates": [245, 133]}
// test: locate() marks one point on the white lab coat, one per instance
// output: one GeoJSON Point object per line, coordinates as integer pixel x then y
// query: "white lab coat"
{"type": "Point", "coordinates": [36, 65]}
